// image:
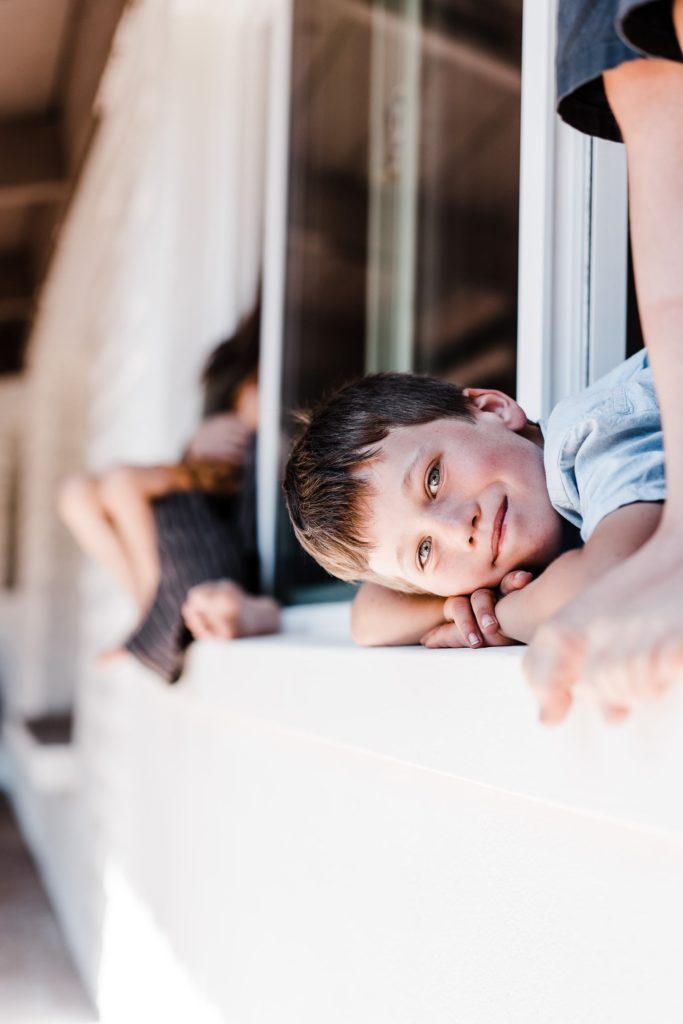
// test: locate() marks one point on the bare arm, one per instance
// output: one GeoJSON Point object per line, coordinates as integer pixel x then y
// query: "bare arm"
{"type": "Point", "coordinates": [617, 537]}
{"type": "Point", "coordinates": [125, 496]}
{"type": "Point", "coordinates": [382, 617]}
{"type": "Point", "coordinates": [143, 482]}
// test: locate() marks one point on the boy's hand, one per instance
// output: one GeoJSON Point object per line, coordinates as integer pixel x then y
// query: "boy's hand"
{"type": "Point", "coordinates": [472, 619]}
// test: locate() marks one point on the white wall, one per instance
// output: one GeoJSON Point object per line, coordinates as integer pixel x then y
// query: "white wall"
{"type": "Point", "coordinates": [305, 831]}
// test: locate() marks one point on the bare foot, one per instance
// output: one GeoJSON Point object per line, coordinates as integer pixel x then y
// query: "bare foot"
{"type": "Point", "coordinates": [623, 637]}
{"type": "Point", "coordinates": [222, 610]}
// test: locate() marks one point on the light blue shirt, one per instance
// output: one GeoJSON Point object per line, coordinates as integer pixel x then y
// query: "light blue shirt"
{"type": "Point", "coordinates": [603, 447]}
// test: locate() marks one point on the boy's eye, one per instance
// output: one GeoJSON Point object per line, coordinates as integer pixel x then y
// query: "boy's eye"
{"type": "Point", "coordinates": [423, 551]}
{"type": "Point", "coordinates": [434, 479]}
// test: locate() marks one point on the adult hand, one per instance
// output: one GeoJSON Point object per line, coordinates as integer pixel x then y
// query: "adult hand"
{"type": "Point", "coordinates": [605, 656]}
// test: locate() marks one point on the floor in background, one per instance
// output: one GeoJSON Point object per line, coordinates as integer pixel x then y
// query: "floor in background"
{"type": "Point", "coordinates": [38, 983]}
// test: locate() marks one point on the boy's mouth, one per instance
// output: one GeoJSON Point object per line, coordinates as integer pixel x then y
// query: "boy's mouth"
{"type": "Point", "coordinates": [497, 531]}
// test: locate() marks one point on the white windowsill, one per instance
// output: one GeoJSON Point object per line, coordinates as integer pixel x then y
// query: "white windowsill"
{"type": "Point", "coordinates": [468, 714]}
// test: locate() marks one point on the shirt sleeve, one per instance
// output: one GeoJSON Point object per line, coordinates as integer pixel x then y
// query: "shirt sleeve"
{"type": "Point", "coordinates": [620, 461]}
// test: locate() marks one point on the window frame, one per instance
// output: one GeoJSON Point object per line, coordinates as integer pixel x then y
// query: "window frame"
{"type": "Point", "coordinates": [573, 237]}
{"type": "Point", "coordinates": [269, 455]}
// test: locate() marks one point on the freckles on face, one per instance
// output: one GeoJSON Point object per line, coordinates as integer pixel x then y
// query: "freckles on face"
{"type": "Point", "coordinates": [454, 506]}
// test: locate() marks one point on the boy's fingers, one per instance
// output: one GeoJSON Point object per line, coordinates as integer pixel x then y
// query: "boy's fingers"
{"type": "Point", "coordinates": [515, 581]}
{"type": "Point", "coordinates": [469, 630]}
{"type": "Point", "coordinates": [459, 609]}
{"type": "Point", "coordinates": [483, 605]}
{"type": "Point", "coordinates": [445, 635]}
{"type": "Point", "coordinates": [453, 605]}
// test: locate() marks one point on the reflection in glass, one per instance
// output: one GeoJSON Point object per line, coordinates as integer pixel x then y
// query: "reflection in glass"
{"type": "Point", "coordinates": [466, 273]}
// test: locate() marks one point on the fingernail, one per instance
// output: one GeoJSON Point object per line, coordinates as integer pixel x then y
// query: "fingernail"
{"type": "Point", "coordinates": [489, 620]}
{"type": "Point", "coordinates": [473, 639]}
{"type": "Point", "coordinates": [521, 575]}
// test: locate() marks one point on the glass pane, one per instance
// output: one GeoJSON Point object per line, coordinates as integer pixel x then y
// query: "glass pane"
{"type": "Point", "coordinates": [403, 202]}
{"type": "Point", "coordinates": [466, 309]}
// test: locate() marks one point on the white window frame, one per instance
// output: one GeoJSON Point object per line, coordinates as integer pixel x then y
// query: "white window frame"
{"type": "Point", "coordinates": [273, 290]}
{"type": "Point", "coordinates": [573, 237]}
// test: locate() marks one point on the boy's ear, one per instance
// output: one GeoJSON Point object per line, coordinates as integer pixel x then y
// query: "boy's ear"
{"type": "Point", "coordinates": [499, 404]}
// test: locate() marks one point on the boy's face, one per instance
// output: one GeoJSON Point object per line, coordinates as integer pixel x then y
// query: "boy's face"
{"type": "Point", "coordinates": [455, 505]}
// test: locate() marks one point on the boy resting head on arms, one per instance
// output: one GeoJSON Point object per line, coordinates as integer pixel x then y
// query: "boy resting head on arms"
{"type": "Point", "coordinates": [455, 510]}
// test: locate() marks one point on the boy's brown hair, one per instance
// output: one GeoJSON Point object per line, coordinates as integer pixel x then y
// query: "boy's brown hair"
{"type": "Point", "coordinates": [324, 495]}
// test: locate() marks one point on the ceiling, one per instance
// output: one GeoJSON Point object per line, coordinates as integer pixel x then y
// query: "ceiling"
{"type": "Point", "coordinates": [52, 54]}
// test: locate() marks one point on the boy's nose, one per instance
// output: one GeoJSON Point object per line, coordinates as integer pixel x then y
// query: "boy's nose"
{"type": "Point", "coordinates": [458, 524]}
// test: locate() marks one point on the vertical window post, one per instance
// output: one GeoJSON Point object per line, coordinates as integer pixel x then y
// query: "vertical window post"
{"type": "Point", "coordinates": [277, 150]}
{"type": "Point", "coordinates": [573, 237]}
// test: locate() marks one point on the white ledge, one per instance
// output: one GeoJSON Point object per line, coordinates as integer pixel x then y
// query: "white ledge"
{"type": "Point", "coordinates": [468, 714]}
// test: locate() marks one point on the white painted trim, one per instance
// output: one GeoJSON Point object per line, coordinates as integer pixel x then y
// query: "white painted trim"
{"type": "Point", "coordinates": [568, 340]}
{"type": "Point", "coordinates": [536, 203]}
{"type": "Point", "coordinates": [609, 259]}
{"type": "Point", "coordinates": [467, 714]}
{"type": "Point", "coordinates": [554, 230]}
{"type": "Point", "coordinates": [274, 270]}
{"type": "Point", "coordinates": [588, 336]}
{"type": "Point", "coordinates": [573, 238]}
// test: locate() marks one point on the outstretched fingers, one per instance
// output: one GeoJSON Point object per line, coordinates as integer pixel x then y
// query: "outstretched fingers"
{"type": "Point", "coordinates": [552, 665]}
{"type": "Point", "coordinates": [561, 656]}
{"type": "Point", "coordinates": [624, 676]}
